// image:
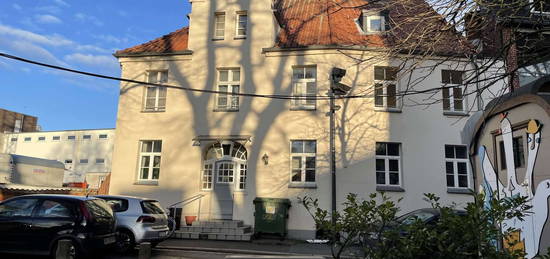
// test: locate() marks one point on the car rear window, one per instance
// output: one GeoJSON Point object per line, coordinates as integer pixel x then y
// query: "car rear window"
{"type": "Point", "coordinates": [151, 207]}
{"type": "Point", "coordinates": [118, 205]}
{"type": "Point", "coordinates": [99, 208]}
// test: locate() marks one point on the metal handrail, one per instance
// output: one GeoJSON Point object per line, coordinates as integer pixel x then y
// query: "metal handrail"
{"type": "Point", "coordinates": [187, 201]}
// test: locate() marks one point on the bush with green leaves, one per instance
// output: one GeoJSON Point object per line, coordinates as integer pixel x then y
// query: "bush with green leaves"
{"type": "Point", "coordinates": [370, 226]}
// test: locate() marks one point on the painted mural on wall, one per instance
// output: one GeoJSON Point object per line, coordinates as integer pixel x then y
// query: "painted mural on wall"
{"type": "Point", "coordinates": [530, 229]}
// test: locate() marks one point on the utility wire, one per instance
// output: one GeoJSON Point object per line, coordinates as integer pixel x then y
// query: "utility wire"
{"type": "Point", "coordinates": [274, 96]}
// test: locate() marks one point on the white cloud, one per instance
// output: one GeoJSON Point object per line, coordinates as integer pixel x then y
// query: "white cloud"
{"type": "Point", "coordinates": [92, 48]}
{"type": "Point", "coordinates": [47, 18]}
{"type": "Point", "coordinates": [61, 2]}
{"type": "Point", "coordinates": [16, 7]}
{"type": "Point", "coordinates": [111, 38]}
{"type": "Point", "coordinates": [102, 61]}
{"type": "Point", "coordinates": [52, 40]}
{"type": "Point", "coordinates": [48, 9]}
{"type": "Point", "coordinates": [31, 51]}
{"type": "Point", "coordinates": [88, 18]}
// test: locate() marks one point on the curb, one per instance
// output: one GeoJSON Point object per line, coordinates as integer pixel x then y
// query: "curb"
{"type": "Point", "coordinates": [229, 251]}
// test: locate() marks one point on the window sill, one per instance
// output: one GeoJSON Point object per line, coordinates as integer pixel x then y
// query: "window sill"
{"type": "Point", "coordinates": [217, 39]}
{"type": "Point", "coordinates": [459, 190]}
{"type": "Point", "coordinates": [303, 108]}
{"type": "Point", "coordinates": [386, 188]}
{"type": "Point", "coordinates": [239, 38]}
{"type": "Point", "coordinates": [306, 185]}
{"type": "Point", "coordinates": [451, 113]}
{"type": "Point", "coordinates": [146, 182]}
{"type": "Point", "coordinates": [391, 110]}
{"type": "Point", "coordinates": [152, 111]}
{"type": "Point", "coordinates": [225, 110]}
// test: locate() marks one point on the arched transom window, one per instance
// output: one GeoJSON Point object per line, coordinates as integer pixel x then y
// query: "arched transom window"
{"type": "Point", "coordinates": [225, 163]}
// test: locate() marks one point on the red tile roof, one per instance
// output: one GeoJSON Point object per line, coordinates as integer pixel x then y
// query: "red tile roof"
{"type": "Point", "coordinates": [172, 42]}
{"type": "Point", "coordinates": [414, 26]}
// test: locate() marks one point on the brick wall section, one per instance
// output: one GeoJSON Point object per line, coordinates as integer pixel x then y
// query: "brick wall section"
{"type": "Point", "coordinates": [8, 118]}
{"type": "Point", "coordinates": [511, 58]}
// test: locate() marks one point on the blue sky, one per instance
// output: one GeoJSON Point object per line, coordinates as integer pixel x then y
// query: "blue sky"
{"type": "Point", "coordinates": [79, 34]}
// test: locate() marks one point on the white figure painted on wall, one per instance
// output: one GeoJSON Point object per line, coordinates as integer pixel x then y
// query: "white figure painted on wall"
{"type": "Point", "coordinates": [531, 227]}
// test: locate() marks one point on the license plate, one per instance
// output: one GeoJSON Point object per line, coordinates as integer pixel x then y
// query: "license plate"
{"type": "Point", "coordinates": [109, 240]}
{"type": "Point", "coordinates": [162, 234]}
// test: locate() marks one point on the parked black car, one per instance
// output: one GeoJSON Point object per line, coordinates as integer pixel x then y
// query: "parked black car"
{"type": "Point", "coordinates": [33, 224]}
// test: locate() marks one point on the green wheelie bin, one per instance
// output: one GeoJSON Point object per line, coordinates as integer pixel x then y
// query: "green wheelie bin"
{"type": "Point", "coordinates": [271, 216]}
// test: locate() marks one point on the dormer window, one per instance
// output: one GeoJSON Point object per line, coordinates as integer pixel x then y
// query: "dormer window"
{"type": "Point", "coordinates": [372, 22]}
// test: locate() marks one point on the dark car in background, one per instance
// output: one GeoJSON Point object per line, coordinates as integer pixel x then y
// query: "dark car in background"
{"type": "Point", "coordinates": [33, 224]}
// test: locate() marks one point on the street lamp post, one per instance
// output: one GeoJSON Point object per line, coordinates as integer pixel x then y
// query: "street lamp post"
{"type": "Point", "coordinates": [336, 88]}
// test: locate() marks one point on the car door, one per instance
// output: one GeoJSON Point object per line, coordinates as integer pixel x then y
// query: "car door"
{"type": "Point", "coordinates": [53, 218]}
{"type": "Point", "coordinates": [15, 224]}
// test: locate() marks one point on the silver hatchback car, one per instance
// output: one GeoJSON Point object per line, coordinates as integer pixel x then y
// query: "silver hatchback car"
{"type": "Point", "coordinates": [138, 220]}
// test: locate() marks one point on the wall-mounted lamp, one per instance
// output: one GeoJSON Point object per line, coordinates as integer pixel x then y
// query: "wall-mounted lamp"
{"type": "Point", "coordinates": [265, 158]}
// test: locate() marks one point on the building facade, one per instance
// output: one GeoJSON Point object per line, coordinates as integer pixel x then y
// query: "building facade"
{"type": "Point", "coordinates": [17, 122]}
{"type": "Point", "coordinates": [82, 152]}
{"type": "Point", "coordinates": [229, 149]}
{"type": "Point", "coordinates": [509, 149]}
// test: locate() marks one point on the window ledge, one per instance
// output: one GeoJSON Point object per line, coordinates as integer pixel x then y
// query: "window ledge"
{"type": "Point", "coordinates": [152, 111]}
{"type": "Point", "coordinates": [225, 110]}
{"type": "Point", "coordinates": [239, 38]}
{"type": "Point", "coordinates": [385, 188]}
{"type": "Point", "coordinates": [391, 110]}
{"type": "Point", "coordinates": [310, 185]}
{"type": "Point", "coordinates": [217, 39]}
{"type": "Point", "coordinates": [145, 182]}
{"type": "Point", "coordinates": [451, 113]}
{"type": "Point", "coordinates": [459, 190]}
{"type": "Point", "coordinates": [298, 108]}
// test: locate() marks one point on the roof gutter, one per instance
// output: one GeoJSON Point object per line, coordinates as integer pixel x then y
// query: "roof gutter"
{"type": "Point", "coordinates": [153, 54]}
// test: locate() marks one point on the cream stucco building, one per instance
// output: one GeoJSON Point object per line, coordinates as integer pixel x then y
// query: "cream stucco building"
{"type": "Point", "coordinates": [175, 143]}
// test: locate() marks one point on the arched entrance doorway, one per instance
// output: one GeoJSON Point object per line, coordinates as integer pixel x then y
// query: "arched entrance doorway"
{"type": "Point", "coordinates": [224, 172]}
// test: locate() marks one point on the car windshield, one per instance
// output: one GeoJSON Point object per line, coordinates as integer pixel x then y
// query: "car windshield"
{"type": "Point", "coordinates": [411, 217]}
{"type": "Point", "coordinates": [151, 207]}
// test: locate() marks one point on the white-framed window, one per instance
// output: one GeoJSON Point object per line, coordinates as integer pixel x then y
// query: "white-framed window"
{"type": "Point", "coordinates": [372, 22]}
{"type": "Point", "coordinates": [41, 138]}
{"type": "Point", "coordinates": [155, 96]}
{"type": "Point", "coordinates": [304, 87]}
{"type": "Point", "coordinates": [241, 24]}
{"type": "Point", "coordinates": [149, 160]}
{"type": "Point", "coordinates": [27, 139]}
{"type": "Point", "coordinates": [100, 161]}
{"type": "Point", "coordinates": [72, 137]}
{"type": "Point", "coordinates": [83, 161]}
{"type": "Point", "coordinates": [229, 82]}
{"type": "Point", "coordinates": [207, 175]}
{"type": "Point", "coordinates": [453, 99]}
{"type": "Point", "coordinates": [226, 172]}
{"type": "Point", "coordinates": [385, 87]}
{"type": "Point", "coordinates": [102, 136]}
{"type": "Point", "coordinates": [87, 137]}
{"type": "Point", "coordinates": [388, 164]}
{"type": "Point", "coordinates": [456, 166]}
{"type": "Point", "coordinates": [303, 155]}
{"type": "Point", "coordinates": [219, 25]}
{"type": "Point", "coordinates": [56, 138]}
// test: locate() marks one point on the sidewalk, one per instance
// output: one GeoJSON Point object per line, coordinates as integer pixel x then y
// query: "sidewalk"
{"type": "Point", "coordinates": [261, 247]}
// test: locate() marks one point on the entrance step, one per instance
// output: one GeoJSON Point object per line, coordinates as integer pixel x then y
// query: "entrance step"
{"type": "Point", "coordinates": [216, 230]}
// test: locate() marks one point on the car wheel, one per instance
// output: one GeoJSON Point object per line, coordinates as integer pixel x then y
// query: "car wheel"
{"type": "Point", "coordinates": [125, 241]}
{"type": "Point", "coordinates": [73, 252]}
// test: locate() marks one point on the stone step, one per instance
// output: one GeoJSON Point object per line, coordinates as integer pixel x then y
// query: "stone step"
{"type": "Point", "coordinates": [218, 223]}
{"type": "Point", "coordinates": [232, 231]}
{"type": "Point", "coordinates": [212, 236]}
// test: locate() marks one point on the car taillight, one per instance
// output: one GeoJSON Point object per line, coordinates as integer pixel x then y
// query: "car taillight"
{"type": "Point", "coordinates": [86, 216]}
{"type": "Point", "coordinates": [146, 219]}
